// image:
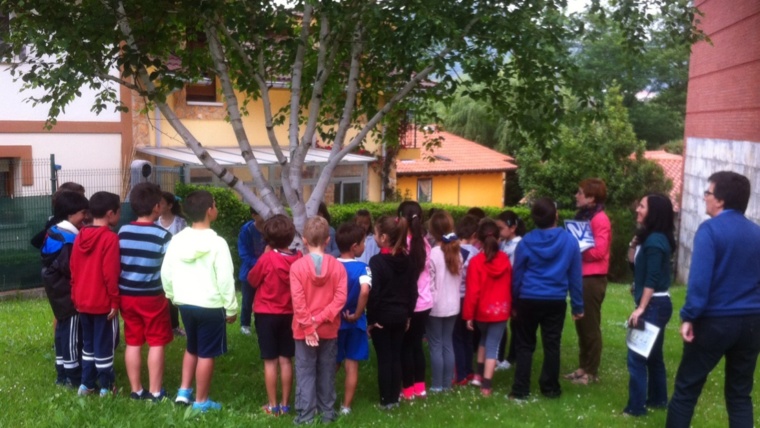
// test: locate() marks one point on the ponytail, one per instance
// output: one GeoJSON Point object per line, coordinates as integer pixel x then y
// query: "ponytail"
{"type": "Point", "coordinates": [488, 233]}
{"type": "Point", "coordinates": [411, 211]}
{"type": "Point", "coordinates": [395, 228]}
{"type": "Point", "coordinates": [442, 229]}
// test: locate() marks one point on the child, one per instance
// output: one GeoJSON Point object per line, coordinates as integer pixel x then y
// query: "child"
{"type": "Point", "coordinates": [488, 300]}
{"type": "Point", "coordinates": [445, 278]}
{"type": "Point", "coordinates": [391, 305]}
{"type": "Point", "coordinates": [353, 345]}
{"type": "Point", "coordinates": [332, 247]}
{"type": "Point", "coordinates": [462, 339]}
{"type": "Point", "coordinates": [144, 307]}
{"type": "Point", "coordinates": [197, 275]}
{"type": "Point", "coordinates": [170, 218]}
{"type": "Point", "coordinates": [250, 246]}
{"type": "Point", "coordinates": [56, 275]}
{"type": "Point", "coordinates": [273, 310]}
{"type": "Point", "coordinates": [95, 268]}
{"type": "Point", "coordinates": [364, 219]}
{"type": "Point", "coordinates": [413, 356]}
{"type": "Point", "coordinates": [547, 266]}
{"type": "Point", "coordinates": [512, 229]}
{"type": "Point", "coordinates": [318, 287]}
{"type": "Point", "coordinates": [38, 239]}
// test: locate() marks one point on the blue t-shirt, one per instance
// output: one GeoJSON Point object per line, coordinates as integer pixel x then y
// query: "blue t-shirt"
{"type": "Point", "coordinates": [357, 273]}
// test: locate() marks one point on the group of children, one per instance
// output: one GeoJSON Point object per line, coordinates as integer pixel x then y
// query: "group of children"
{"type": "Point", "coordinates": [92, 274]}
{"type": "Point", "coordinates": [398, 282]}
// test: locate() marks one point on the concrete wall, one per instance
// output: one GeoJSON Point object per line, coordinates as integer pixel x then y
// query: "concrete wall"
{"type": "Point", "coordinates": [722, 121]}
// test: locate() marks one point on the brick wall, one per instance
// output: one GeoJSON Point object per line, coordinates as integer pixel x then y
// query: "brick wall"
{"type": "Point", "coordinates": [722, 111]}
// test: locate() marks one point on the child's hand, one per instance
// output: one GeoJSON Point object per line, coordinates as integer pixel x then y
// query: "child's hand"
{"type": "Point", "coordinates": [375, 325]}
{"type": "Point", "coordinates": [348, 316]}
{"type": "Point", "coordinates": [408, 323]}
{"type": "Point", "coordinates": [312, 339]}
{"type": "Point", "coordinates": [470, 325]}
{"type": "Point", "coordinates": [112, 314]}
{"type": "Point", "coordinates": [231, 319]}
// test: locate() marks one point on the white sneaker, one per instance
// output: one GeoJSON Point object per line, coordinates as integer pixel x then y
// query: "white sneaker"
{"type": "Point", "coordinates": [245, 330]}
{"type": "Point", "coordinates": [345, 410]}
{"type": "Point", "coordinates": [504, 365]}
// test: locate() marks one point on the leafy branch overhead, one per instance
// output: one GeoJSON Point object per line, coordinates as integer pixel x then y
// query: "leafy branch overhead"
{"type": "Point", "coordinates": [347, 65]}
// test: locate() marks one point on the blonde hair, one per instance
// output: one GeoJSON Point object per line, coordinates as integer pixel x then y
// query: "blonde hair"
{"type": "Point", "coordinates": [316, 231]}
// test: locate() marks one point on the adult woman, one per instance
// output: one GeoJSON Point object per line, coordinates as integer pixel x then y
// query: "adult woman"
{"type": "Point", "coordinates": [650, 292]}
{"type": "Point", "coordinates": [170, 218]}
{"type": "Point", "coordinates": [589, 200]}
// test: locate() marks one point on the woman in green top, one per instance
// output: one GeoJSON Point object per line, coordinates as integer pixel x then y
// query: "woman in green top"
{"type": "Point", "coordinates": [652, 272]}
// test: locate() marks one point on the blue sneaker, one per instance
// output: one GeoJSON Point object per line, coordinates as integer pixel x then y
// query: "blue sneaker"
{"type": "Point", "coordinates": [105, 392]}
{"type": "Point", "coordinates": [206, 406]}
{"type": "Point", "coordinates": [84, 391]}
{"type": "Point", "coordinates": [184, 396]}
{"type": "Point", "coordinates": [160, 397]}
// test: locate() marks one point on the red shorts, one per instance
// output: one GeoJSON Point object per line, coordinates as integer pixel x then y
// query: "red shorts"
{"type": "Point", "coordinates": [146, 319]}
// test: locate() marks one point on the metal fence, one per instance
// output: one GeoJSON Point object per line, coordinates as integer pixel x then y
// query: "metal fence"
{"type": "Point", "coordinates": [26, 189]}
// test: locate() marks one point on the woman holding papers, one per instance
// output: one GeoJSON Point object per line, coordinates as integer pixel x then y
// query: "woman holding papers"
{"type": "Point", "coordinates": [590, 198]}
{"type": "Point", "coordinates": [647, 386]}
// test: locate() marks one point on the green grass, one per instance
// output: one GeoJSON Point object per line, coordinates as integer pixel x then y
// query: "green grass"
{"type": "Point", "coordinates": [29, 398]}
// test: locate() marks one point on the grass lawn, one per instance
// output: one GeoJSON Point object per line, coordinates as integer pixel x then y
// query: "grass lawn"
{"type": "Point", "coordinates": [29, 398]}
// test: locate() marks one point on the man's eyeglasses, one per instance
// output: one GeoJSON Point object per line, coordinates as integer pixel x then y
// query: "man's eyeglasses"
{"type": "Point", "coordinates": [708, 193]}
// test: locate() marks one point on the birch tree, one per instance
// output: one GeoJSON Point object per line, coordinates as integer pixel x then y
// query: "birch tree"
{"type": "Point", "coordinates": [348, 64]}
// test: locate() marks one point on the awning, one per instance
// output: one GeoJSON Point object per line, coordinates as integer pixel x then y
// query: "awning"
{"type": "Point", "coordinates": [230, 156]}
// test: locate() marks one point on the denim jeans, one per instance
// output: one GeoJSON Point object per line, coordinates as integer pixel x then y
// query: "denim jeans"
{"type": "Point", "coordinates": [738, 339]}
{"type": "Point", "coordinates": [648, 384]}
{"type": "Point", "coordinates": [246, 307]}
{"type": "Point", "coordinates": [439, 333]}
{"type": "Point", "coordinates": [463, 348]}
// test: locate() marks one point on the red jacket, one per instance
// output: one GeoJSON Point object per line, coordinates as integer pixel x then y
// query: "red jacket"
{"type": "Point", "coordinates": [271, 279]}
{"type": "Point", "coordinates": [95, 268]}
{"type": "Point", "coordinates": [317, 298]}
{"type": "Point", "coordinates": [488, 297]}
{"type": "Point", "coordinates": [596, 260]}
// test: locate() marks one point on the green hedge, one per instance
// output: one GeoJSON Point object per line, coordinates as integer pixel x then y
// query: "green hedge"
{"type": "Point", "coordinates": [233, 213]}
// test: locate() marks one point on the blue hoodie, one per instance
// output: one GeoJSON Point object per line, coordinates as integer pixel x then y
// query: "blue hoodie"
{"type": "Point", "coordinates": [547, 265]}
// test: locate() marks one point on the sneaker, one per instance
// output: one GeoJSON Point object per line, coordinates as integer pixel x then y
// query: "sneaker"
{"type": "Point", "coordinates": [184, 396]}
{"type": "Point", "coordinates": [435, 390]}
{"type": "Point", "coordinates": [284, 409]}
{"type": "Point", "coordinates": [345, 410]}
{"type": "Point", "coordinates": [206, 406]}
{"type": "Point", "coordinates": [407, 394]}
{"type": "Point", "coordinates": [143, 395]}
{"type": "Point", "coordinates": [105, 392]}
{"type": "Point", "coordinates": [387, 407]}
{"type": "Point", "coordinates": [503, 365]}
{"type": "Point", "coordinates": [419, 390]}
{"type": "Point", "coordinates": [160, 397]}
{"type": "Point", "coordinates": [245, 330]}
{"type": "Point", "coordinates": [517, 398]}
{"type": "Point", "coordinates": [486, 392]}
{"type": "Point", "coordinates": [271, 410]}
{"type": "Point", "coordinates": [84, 391]}
{"type": "Point", "coordinates": [179, 332]}
{"type": "Point", "coordinates": [476, 380]}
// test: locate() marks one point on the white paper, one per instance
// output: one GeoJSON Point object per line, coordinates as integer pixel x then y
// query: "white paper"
{"type": "Point", "coordinates": [581, 231]}
{"type": "Point", "coordinates": [642, 341]}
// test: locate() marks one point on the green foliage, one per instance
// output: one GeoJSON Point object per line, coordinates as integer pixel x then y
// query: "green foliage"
{"type": "Point", "coordinates": [656, 123]}
{"type": "Point", "coordinates": [598, 147]}
{"type": "Point", "coordinates": [233, 213]}
{"type": "Point", "coordinates": [675, 147]}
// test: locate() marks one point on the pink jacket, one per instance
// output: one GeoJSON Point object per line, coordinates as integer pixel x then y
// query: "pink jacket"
{"type": "Point", "coordinates": [596, 260]}
{"type": "Point", "coordinates": [424, 296]}
{"type": "Point", "coordinates": [317, 299]}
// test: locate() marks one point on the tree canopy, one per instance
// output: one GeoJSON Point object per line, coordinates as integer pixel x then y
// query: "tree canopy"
{"type": "Point", "coordinates": [347, 65]}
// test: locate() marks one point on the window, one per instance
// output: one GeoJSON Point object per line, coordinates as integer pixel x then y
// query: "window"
{"type": "Point", "coordinates": [201, 91]}
{"type": "Point", "coordinates": [6, 51]}
{"type": "Point", "coordinates": [6, 177]}
{"type": "Point", "coordinates": [424, 190]}
{"type": "Point", "coordinates": [347, 192]}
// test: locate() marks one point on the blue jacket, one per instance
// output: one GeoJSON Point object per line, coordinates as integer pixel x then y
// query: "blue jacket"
{"type": "Point", "coordinates": [250, 246]}
{"type": "Point", "coordinates": [724, 279]}
{"type": "Point", "coordinates": [547, 266]}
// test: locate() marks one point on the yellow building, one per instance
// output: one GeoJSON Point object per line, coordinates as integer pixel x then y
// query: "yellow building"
{"type": "Point", "coordinates": [459, 172]}
{"type": "Point", "coordinates": [201, 109]}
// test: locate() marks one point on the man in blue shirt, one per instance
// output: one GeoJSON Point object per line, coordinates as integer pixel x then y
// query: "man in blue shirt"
{"type": "Point", "coordinates": [251, 246]}
{"type": "Point", "coordinates": [721, 315]}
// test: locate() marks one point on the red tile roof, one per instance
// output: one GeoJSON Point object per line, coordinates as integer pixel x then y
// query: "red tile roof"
{"type": "Point", "coordinates": [455, 155]}
{"type": "Point", "coordinates": [672, 165]}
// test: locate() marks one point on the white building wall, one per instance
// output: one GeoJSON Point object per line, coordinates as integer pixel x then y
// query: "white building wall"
{"type": "Point", "coordinates": [704, 157]}
{"type": "Point", "coordinates": [14, 107]}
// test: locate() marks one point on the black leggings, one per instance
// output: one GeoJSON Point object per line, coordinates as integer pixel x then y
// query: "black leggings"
{"type": "Point", "coordinates": [412, 354]}
{"type": "Point", "coordinates": [387, 341]}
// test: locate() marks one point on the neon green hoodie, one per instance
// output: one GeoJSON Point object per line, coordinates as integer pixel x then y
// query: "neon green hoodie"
{"type": "Point", "coordinates": [197, 270]}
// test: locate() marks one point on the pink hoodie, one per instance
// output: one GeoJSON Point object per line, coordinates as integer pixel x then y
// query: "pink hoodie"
{"type": "Point", "coordinates": [424, 295]}
{"type": "Point", "coordinates": [317, 298]}
{"type": "Point", "coordinates": [596, 260]}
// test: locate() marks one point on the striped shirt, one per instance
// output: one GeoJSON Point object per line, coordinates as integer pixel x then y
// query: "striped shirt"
{"type": "Point", "coordinates": [142, 247]}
